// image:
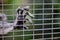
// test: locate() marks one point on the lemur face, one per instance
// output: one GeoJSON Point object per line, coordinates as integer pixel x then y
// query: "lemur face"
{"type": "Point", "coordinates": [19, 14]}
{"type": "Point", "coordinates": [19, 11]}
{"type": "Point", "coordinates": [3, 17]}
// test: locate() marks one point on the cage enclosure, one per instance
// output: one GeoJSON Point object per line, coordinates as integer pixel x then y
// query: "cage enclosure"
{"type": "Point", "coordinates": [46, 21]}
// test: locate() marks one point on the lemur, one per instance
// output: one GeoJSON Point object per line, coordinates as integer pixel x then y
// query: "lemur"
{"type": "Point", "coordinates": [21, 18]}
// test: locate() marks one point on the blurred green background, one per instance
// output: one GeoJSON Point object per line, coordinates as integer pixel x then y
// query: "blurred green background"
{"type": "Point", "coordinates": [10, 7]}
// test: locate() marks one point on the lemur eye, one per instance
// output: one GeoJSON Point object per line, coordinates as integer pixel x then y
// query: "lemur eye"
{"type": "Point", "coordinates": [26, 9]}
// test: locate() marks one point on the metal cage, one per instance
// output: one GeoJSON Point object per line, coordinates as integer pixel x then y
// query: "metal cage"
{"type": "Point", "coordinates": [46, 23]}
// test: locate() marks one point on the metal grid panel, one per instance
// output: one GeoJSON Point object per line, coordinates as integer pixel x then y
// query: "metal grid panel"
{"type": "Point", "coordinates": [45, 12]}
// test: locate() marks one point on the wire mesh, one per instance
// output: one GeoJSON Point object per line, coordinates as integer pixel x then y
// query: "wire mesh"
{"type": "Point", "coordinates": [46, 23]}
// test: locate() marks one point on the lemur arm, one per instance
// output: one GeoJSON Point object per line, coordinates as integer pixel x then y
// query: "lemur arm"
{"type": "Point", "coordinates": [30, 21]}
{"type": "Point", "coordinates": [31, 15]}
